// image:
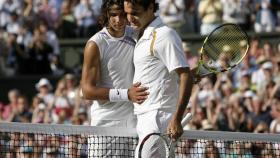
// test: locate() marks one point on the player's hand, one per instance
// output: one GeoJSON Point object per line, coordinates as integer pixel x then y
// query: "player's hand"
{"type": "Point", "coordinates": [175, 129]}
{"type": "Point", "coordinates": [137, 93]}
{"type": "Point", "coordinates": [196, 77]}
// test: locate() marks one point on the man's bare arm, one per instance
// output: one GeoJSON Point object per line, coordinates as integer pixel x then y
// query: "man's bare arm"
{"type": "Point", "coordinates": [185, 89]}
{"type": "Point", "coordinates": [91, 75]}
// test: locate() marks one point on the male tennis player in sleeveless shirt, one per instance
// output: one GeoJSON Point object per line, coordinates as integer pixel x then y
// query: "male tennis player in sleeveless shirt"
{"type": "Point", "coordinates": [108, 72]}
{"type": "Point", "coordinates": [159, 62]}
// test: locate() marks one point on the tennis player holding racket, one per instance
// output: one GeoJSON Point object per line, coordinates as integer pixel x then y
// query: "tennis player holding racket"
{"type": "Point", "coordinates": [159, 62]}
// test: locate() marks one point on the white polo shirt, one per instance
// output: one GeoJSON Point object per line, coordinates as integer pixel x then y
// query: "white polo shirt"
{"type": "Point", "coordinates": [157, 53]}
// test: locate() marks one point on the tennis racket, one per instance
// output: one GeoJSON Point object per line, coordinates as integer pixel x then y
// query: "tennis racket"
{"type": "Point", "coordinates": [222, 50]}
{"type": "Point", "coordinates": [162, 142]}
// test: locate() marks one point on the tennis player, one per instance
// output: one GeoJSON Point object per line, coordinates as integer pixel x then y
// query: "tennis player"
{"type": "Point", "coordinates": [108, 72]}
{"type": "Point", "coordinates": [159, 62]}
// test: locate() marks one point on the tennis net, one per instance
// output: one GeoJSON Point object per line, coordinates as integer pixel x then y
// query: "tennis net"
{"type": "Point", "coordinates": [21, 140]}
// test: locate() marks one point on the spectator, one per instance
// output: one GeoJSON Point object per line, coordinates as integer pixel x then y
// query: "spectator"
{"type": "Point", "coordinates": [172, 13]}
{"type": "Point", "coordinates": [240, 148]}
{"type": "Point", "coordinates": [48, 13]}
{"type": "Point", "coordinates": [39, 51]}
{"type": "Point", "coordinates": [3, 52]}
{"type": "Point", "coordinates": [50, 37]}
{"type": "Point", "coordinates": [211, 151]}
{"type": "Point", "coordinates": [29, 17]}
{"type": "Point", "coordinates": [191, 18]}
{"type": "Point", "coordinates": [257, 114]}
{"type": "Point", "coordinates": [67, 22]}
{"type": "Point", "coordinates": [21, 113]}
{"type": "Point", "coordinates": [237, 12]}
{"type": "Point", "coordinates": [57, 67]}
{"type": "Point", "coordinates": [210, 12]}
{"type": "Point", "coordinates": [61, 106]}
{"type": "Point", "coordinates": [39, 111]}
{"type": "Point", "coordinates": [8, 7]}
{"type": "Point", "coordinates": [191, 59]}
{"type": "Point", "coordinates": [265, 20]}
{"type": "Point", "coordinates": [71, 87]}
{"type": "Point", "coordinates": [24, 37]}
{"type": "Point", "coordinates": [236, 114]}
{"type": "Point", "coordinates": [44, 88]}
{"type": "Point", "coordinates": [13, 25]}
{"type": "Point", "coordinates": [13, 96]}
{"type": "Point", "coordinates": [86, 19]}
{"type": "Point", "coordinates": [275, 112]}
{"type": "Point", "coordinates": [262, 76]}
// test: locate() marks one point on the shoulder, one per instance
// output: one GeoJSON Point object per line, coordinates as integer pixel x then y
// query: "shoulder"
{"type": "Point", "coordinates": [101, 35]}
{"type": "Point", "coordinates": [165, 33]}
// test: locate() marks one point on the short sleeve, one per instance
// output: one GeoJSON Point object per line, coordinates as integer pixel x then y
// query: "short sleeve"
{"type": "Point", "coordinates": [168, 48]}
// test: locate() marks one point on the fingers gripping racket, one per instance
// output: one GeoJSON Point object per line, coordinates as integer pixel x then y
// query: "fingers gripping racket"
{"type": "Point", "coordinates": [223, 49]}
{"type": "Point", "coordinates": [161, 142]}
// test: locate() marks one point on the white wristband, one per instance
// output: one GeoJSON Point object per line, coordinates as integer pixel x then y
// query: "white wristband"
{"type": "Point", "coordinates": [116, 95]}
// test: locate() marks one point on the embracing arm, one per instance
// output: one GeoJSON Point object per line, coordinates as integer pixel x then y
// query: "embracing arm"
{"type": "Point", "coordinates": [91, 75]}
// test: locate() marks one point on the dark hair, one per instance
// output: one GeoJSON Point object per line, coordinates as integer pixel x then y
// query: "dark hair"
{"type": "Point", "coordinates": [106, 5]}
{"type": "Point", "coordinates": [145, 3]}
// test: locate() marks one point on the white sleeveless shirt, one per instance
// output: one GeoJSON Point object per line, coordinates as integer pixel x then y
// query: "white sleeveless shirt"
{"type": "Point", "coordinates": [116, 56]}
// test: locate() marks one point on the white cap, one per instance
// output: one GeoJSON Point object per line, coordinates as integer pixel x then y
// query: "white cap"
{"type": "Point", "coordinates": [245, 73]}
{"type": "Point", "coordinates": [206, 125]}
{"type": "Point", "coordinates": [267, 65]}
{"type": "Point", "coordinates": [41, 106]}
{"type": "Point", "coordinates": [43, 82]}
{"type": "Point", "coordinates": [249, 94]}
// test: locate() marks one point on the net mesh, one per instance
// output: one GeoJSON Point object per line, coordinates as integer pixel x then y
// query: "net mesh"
{"type": "Point", "coordinates": [33, 140]}
{"type": "Point", "coordinates": [224, 48]}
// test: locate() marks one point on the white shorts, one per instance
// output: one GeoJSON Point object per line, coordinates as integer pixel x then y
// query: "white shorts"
{"type": "Point", "coordinates": [129, 122]}
{"type": "Point", "coordinates": [111, 146]}
{"type": "Point", "coordinates": [151, 122]}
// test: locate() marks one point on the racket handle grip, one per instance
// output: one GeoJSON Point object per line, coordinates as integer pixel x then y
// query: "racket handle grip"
{"type": "Point", "coordinates": [186, 119]}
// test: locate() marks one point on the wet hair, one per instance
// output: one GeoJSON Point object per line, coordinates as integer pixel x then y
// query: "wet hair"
{"type": "Point", "coordinates": [106, 5]}
{"type": "Point", "coordinates": [145, 3]}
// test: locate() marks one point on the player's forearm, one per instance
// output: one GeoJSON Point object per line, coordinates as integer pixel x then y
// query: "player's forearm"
{"type": "Point", "coordinates": [185, 89]}
{"type": "Point", "coordinates": [90, 92]}
{"type": "Point", "coordinates": [102, 93]}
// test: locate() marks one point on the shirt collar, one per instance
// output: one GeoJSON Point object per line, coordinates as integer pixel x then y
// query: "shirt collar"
{"type": "Point", "coordinates": [151, 27]}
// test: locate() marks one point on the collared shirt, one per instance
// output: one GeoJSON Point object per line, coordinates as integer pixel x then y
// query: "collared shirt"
{"type": "Point", "coordinates": [156, 55]}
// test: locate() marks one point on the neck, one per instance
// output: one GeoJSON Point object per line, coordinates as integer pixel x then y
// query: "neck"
{"type": "Point", "coordinates": [143, 29]}
{"type": "Point", "coordinates": [115, 33]}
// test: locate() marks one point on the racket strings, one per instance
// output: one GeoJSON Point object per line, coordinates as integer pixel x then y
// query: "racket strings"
{"type": "Point", "coordinates": [156, 145]}
{"type": "Point", "coordinates": [224, 47]}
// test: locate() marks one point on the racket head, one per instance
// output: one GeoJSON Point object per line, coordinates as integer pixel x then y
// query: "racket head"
{"type": "Point", "coordinates": [161, 142]}
{"type": "Point", "coordinates": [223, 49]}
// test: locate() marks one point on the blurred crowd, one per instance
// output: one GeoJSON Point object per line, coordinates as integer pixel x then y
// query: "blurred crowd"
{"type": "Point", "coordinates": [51, 105]}
{"type": "Point", "coordinates": [246, 99]}
{"type": "Point", "coordinates": [202, 16]}
{"type": "Point", "coordinates": [30, 29]}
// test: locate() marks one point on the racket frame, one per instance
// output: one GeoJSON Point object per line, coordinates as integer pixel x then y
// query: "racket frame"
{"type": "Point", "coordinates": [167, 143]}
{"type": "Point", "coordinates": [201, 53]}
